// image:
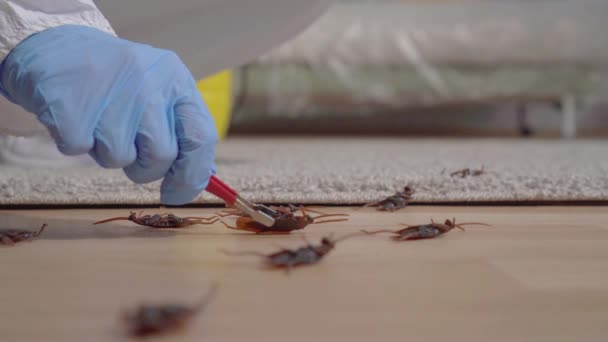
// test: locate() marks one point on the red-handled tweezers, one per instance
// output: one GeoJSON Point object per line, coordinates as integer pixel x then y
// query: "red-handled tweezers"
{"type": "Point", "coordinates": [258, 212]}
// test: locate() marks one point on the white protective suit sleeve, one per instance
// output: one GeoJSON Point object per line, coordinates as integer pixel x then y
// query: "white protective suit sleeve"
{"type": "Point", "coordinates": [21, 18]}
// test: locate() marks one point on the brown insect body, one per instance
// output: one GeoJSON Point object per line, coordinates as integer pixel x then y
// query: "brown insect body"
{"type": "Point", "coordinates": [283, 224]}
{"type": "Point", "coordinates": [286, 221]}
{"type": "Point", "coordinates": [275, 211]}
{"type": "Point", "coordinates": [468, 172]}
{"type": "Point", "coordinates": [306, 255]}
{"type": "Point", "coordinates": [397, 201]}
{"type": "Point", "coordinates": [10, 237]}
{"type": "Point", "coordinates": [425, 231]}
{"type": "Point", "coordinates": [166, 220]}
{"type": "Point", "coordinates": [157, 319]}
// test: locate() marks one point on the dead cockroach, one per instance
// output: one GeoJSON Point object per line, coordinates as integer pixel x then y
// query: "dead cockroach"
{"type": "Point", "coordinates": [288, 258]}
{"type": "Point", "coordinates": [163, 220]}
{"type": "Point", "coordinates": [274, 211]}
{"type": "Point", "coordinates": [286, 220]}
{"type": "Point", "coordinates": [425, 231]}
{"type": "Point", "coordinates": [397, 201]}
{"type": "Point", "coordinates": [159, 319]}
{"type": "Point", "coordinates": [10, 237]}
{"type": "Point", "coordinates": [479, 172]}
{"type": "Point", "coordinates": [468, 172]}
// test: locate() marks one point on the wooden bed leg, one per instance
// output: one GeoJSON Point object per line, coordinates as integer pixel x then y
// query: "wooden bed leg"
{"type": "Point", "coordinates": [569, 109]}
{"type": "Point", "coordinates": [522, 120]}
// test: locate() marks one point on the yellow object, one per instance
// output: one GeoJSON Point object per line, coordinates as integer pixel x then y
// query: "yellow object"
{"type": "Point", "coordinates": [217, 93]}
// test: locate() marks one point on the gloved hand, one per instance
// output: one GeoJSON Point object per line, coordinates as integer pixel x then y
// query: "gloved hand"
{"type": "Point", "coordinates": [128, 105]}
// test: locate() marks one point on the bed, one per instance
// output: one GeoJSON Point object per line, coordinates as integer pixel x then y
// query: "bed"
{"type": "Point", "coordinates": [361, 59]}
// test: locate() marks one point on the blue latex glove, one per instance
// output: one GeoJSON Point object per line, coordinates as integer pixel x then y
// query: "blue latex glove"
{"type": "Point", "coordinates": [128, 105]}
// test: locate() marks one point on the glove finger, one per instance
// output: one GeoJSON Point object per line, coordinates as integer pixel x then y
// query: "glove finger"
{"type": "Point", "coordinates": [196, 140]}
{"type": "Point", "coordinates": [116, 129]}
{"type": "Point", "coordinates": [156, 144]}
{"type": "Point", "coordinates": [70, 137]}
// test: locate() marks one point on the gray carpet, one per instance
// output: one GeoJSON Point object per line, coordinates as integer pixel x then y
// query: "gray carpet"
{"type": "Point", "coordinates": [349, 171]}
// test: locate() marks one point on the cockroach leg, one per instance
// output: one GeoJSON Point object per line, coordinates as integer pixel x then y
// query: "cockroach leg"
{"type": "Point", "coordinates": [306, 241]}
{"type": "Point", "coordinates": [377, 231]}
{"type": "Point", "coordinates": [347, 236]}
{"type": "Point", "coordinates": [123, 218]}
{"type": "Point", "coordinates": [41, 230]}
{"type": "Point", "coordinates": [201, 221]}
{"type": "Point", "coordinates": [314, 219]}
{"type": "Point", "coordinates": [459, 225]}
{"type": "Point", "coordinates": [338, 220]}
{"type": "Point", "coordinates": [229, 226]}
{"type": "Point", "coordinates": [471, 223]}
{"type": "Point", "coordinates": [226, 213]}
{"type": "Point", "coordinates": [203, 302]}
{"type": "Point", "coordinates": [201, 218]}
{"type": "Point", "coordinates": [288, 268]}
{"type": "Point", "coordinates": [315, 211]}
{"type": "Point", "coordinates": [448, 227]}
{"type": "Point", "coordinates": [273, 233]}
{"type": "Point", "coordinates": [476, 223]}
{"type": "Point", "coordinates": [404, 237]}
{"type": "Point", "coordinates": [7, 241]}
{"type": "Point", "coordinates": [328, 215]}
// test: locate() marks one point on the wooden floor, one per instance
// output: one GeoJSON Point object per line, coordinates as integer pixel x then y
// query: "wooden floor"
{"type": "Point", "coordinates": [540, 274]}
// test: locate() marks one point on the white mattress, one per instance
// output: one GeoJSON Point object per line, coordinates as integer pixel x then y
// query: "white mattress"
{"type": "Point", "coordinates": [470, 32]}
